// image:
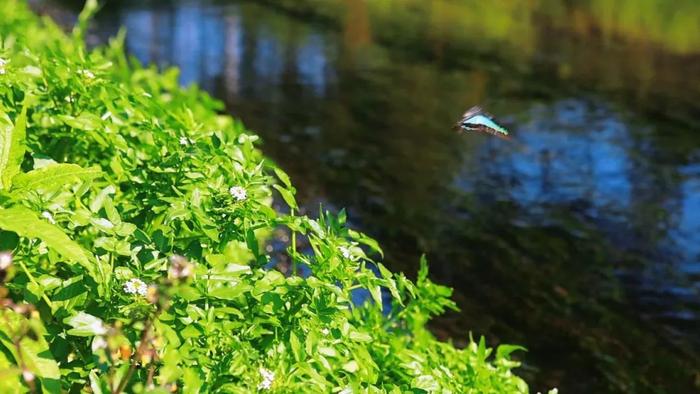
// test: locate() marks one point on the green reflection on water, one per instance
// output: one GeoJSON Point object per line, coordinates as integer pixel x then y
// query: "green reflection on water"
{"type": "Point", "coordinates": [674, 26]}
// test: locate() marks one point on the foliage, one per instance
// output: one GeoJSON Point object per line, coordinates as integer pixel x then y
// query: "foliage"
{"type": "Point", "coordinates": [136, 218]}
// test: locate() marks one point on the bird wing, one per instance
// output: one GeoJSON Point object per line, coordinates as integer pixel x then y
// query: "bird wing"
{"type": "Point", "coordinates": [475, 110]}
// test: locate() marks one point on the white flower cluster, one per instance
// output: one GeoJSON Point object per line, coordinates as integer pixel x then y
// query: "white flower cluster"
{"type": "Point", "coordinates": [185, 141]}
{"type": "Point", "coordinates": [3, 62]}
{"type": "Point", "coordinates": [267, 378]}
{"type": "Point", "coordinates": [136, 286]}
{"type": "Point", "coordinates": [238, 193]}
{"type": "Point", "coordinates": [87, 74]}
{"type": "Point", "coordinates": [348, 252]}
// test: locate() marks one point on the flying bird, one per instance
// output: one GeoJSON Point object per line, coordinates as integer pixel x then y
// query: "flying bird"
{"type": "Point", "coordinates": [476, 119]}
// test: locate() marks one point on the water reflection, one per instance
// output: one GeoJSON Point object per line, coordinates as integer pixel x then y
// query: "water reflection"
{"type": "Point", "coordinates": [578, 240]}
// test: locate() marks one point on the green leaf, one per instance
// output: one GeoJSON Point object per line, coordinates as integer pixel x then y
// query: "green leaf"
{"type": "Point", "coordinates": [96, 384]}
{"type": "Point", "coordinates": [33, 349]}
{"type": "Point", "coordinates": [12, 147]}
{"type": "Point", "coordinates": [504, 350]}
{"type": "Point", "coordinates": [229, 293]}
{"type": "Point", "coordinates": [360, 336]}
{"type": "Point", "coordinates": [89, 9]}
{"type": "Point", "coordinates": [252, 242]}
{"type": "Point", "coordinates": [38, 358]}
{"type": "Point", "coordinates": [9, 377]}
{"type": "Point", "coordinates": [287, 196]}
{"type": "Point", "coordinates": [363, 239]}
{"type": "Point", "coordinates": [390, 283]}
{"type": "Point", "coordinates": [26, 224]}
{"type": "Point", "coordinates": [376, 293]}
{"type": "Point", "coordinates": [297, 349]}
{"type": "Point", "coordinates": [425, 382]}
{"type": "Point", "coordinates": [83, 122]}
{"type": "Point", "coordinates": [54, 176]}
{"type": "Point", "coordinates": [283, 177]}
{"type": "Point", "coordinates": [98, 201]}
{"type": "Point", "coordinates": [351, 366]}
{"type": "Point", "coordinates": [481, 353]}
{"type": "Point", "coordinates": [191, 381]}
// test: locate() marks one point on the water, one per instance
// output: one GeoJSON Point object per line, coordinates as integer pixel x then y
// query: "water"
{"type": "Point", "coordinates": [579, 240]}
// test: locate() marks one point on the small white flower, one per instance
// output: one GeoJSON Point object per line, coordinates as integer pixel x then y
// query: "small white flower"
{"type": "Point", "coordinates": [325, 331]}
{"type": "Point", "coordinates": [48, 216]}
{"type": "Point", "coordinates": [238, 193]}
{"type": "Point", "coordinates": [97, 327]}
{"type": "Point", "coordinates": [184, 141]}
{"type": "Point", "coordinates": [3, 62]}
{"type": "Point", "coordinates": [98, 343]}
{"type": "Point", "coordinates": [267, 378]}
{"type": "Point", "coordinates": [5, 260]}
{"type": "Point", "coordinates": [136, 286]}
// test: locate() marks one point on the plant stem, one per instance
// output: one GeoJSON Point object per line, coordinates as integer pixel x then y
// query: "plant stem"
{"type": "Point", "coordinates": [137, 354]}
{"type": "Point", "coordinates": [31, 277]}
{"type": "Point", "coordinates": [151, 372]}
{"type": "Point", "coordinates": [294, 245]}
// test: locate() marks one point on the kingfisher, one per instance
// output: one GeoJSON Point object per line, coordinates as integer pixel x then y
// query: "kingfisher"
{"type": "Point", "coordinates": [476, 119]}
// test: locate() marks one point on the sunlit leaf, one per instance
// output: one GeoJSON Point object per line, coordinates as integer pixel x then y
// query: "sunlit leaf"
{"type": "Point", "coordinates": [85, 325]}
{"type": "Point", "coordinates": [25, 223]}
{"type": "Point", "coordinates": [287, 196]}
{"type": "Point", "coordinates": [12, 140]}
{"type": "Point", "coordinates": [53, 176]}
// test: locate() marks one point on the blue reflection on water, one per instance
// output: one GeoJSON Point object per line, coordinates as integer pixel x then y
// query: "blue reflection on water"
{"type": "Point", "coordinates": [687, 234]}
{"type": "Point", "coordinates": [312, 63]}
{"type": "Point", "coordinates": [564, 154]}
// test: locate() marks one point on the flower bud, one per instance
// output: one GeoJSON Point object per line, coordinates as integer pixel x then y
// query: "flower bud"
{"type": "Point", "coordinates": [5, 264]}
{"type": "Point", "coordinates": [28, 376]}
{"type": "Point", "coordinates": [5, 260]}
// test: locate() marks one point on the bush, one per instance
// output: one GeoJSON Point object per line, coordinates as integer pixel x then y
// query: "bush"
{"type": "Point", "coordinates": [134, 221]}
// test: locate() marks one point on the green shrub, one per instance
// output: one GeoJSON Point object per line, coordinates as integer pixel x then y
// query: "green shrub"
{"type": "Point", "coordinates": [134, 220]}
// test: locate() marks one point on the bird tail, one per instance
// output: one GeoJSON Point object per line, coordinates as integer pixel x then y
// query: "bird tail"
{"type": "Point", "coordinates": [495, 133]}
